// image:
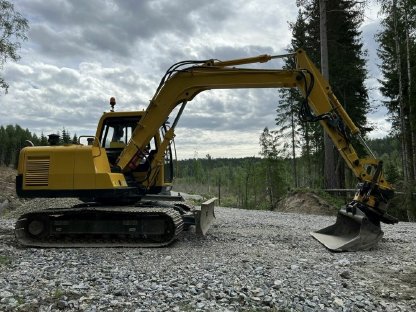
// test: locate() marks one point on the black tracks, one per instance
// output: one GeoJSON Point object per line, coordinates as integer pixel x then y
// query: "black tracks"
{"type": "Point", "coordinates": [124, 226]}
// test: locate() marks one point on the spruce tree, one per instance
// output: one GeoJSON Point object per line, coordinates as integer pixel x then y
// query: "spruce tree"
{"type": "Point", "coordinates": [398, 54]}
{"type": "Point", "coordinates": [74, 139]}
{"type": "Point", "coordinates": [43, 139]}
{"type": "Point", "coordinates": [65, 137]}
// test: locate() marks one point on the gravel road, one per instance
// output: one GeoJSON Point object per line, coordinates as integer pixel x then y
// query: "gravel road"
{"type": "Point", "coordinates": [249, 261]}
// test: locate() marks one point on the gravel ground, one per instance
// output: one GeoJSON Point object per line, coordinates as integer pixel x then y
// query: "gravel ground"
{"type": "Point", "coordinates": [249, 261]}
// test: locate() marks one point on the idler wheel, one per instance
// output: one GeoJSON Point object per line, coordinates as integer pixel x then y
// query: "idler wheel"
{"type": "Point", "coordinates": [36, 227]}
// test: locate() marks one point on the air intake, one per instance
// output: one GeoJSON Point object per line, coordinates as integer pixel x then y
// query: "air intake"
{"type": "Point", "coordinates": [37, 171]}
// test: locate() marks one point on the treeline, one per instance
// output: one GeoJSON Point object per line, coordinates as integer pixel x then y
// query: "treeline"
{"type": "Point", "coordinates": [238, 182]}
{"type": "Point", "coordinates": [250, 183]}
{"type": "Point", "coordinates": [259, 183]}
{"type": "Point", "coordinates": [13, 138]}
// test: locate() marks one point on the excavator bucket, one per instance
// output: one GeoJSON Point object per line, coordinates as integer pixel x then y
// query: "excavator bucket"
{"type": "Point", "coordinates": [351, 232]}
{"type": "Point", "coordinates": [204, 216]}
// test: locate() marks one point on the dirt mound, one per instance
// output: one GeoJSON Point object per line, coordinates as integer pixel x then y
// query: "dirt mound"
{"type": "Point", "coordinates": [306, 202]}
{"type": "Point", "coordinates": [7, 179]}
{"type": "Point", "coordinates": [8, 197]}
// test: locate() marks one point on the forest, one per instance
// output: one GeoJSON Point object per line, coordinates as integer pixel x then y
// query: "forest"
{"type": "Point", "coordinates": [13, 138]}
{"type": "Point", "coordinates": [259, 183]}
{"type": "Point", "coordinates": [295, 153]}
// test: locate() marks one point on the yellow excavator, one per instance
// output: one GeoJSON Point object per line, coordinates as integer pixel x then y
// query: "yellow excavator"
{"type": "Point", "coordinates": [124, 175]}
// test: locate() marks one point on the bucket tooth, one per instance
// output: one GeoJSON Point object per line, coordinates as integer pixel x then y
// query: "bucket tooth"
{"type": "Point", "coordinates": [351, 232]}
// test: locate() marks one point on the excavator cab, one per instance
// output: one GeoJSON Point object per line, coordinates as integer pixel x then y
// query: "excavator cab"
{"type": "Point", "coordinates": [114, 133]}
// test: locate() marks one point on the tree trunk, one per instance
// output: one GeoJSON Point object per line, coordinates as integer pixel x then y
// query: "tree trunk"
{"type": "Point", "coordinates": [270, 184]}
{"type": "Point", "coordinates": [331, 180]}
{"type": "Point", "coordinates": [400, 99]}
{"type": "Point", "coordinates": [295, 175]}
{"type": "Point", "coordinates": [308, 157]}
{"type": "Point", "coordinates": [405, 115]}
{"type": "Point", "coordinates": [412, 135]}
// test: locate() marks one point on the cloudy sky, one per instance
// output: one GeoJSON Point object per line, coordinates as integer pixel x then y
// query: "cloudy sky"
{"type": "Point", "coordinates": [80, 53]}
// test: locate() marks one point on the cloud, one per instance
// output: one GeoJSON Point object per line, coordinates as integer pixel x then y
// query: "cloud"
{"type": "Point", "coordinates": [43, 95]}
{"type": "Point", "coordinates": [75, 29]}
{"type": "Point", "coordinates": [377, 117]}
{"type": "Point", "coordinates": [80, 53]}
{"type": "Point", "coordinates": [198, 143]}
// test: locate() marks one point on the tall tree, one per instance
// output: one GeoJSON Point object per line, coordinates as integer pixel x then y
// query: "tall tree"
{"type": "Point", "coordinates": [65, 137]}
{"type": "Point", "coordinates": [74, 139]}
{"type": "Point", "coordinates": [13, 28]}
{"type": "Point", "coordinates": [43, 140]}
{"type": "Point", "coordinates": [288, 132]}
{"type": "Point", "coordinates": [398, 54]}
{"type": "Point", "coordinates": [291, 134]}
{"type": "Point", "coordinates": [273, 170]}
{"type": "Point", "coordinates": [331, 180]}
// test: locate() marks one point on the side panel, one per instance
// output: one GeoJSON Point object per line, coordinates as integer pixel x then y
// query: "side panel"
{"type": "Point", "coordinates": [71, 167]}
{"type": "Point", "coordinates": [47, 168]}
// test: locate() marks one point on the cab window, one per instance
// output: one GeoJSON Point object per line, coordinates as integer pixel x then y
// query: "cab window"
{"type": "Point", "coordinates": [117, 132]}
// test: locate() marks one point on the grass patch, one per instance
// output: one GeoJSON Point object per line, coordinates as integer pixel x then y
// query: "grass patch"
{"type": "Point", "coordinates": [58, 293]}
{"type": "Point", "coordinates": [5, 260]}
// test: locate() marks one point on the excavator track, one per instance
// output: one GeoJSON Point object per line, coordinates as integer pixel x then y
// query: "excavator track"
{"type": "Point", "coordinates": [100, 226]}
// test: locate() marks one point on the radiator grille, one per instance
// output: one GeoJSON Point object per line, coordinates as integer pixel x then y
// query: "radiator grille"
{"type": "Point", "coordinates": [37, 171]}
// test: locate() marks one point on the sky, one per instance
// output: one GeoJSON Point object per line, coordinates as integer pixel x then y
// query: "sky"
{"type": "Point", "coordinates": [80, 53]}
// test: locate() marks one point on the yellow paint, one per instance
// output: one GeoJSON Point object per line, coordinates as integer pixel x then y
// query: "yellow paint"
{"type": "Point", "coordinates": [73, 167]}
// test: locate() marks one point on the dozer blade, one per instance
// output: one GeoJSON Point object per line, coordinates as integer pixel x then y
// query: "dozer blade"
{"type": "Point", "coordinates": [204, 216]}
{"type": "Point", "coordinates": [351, 232]}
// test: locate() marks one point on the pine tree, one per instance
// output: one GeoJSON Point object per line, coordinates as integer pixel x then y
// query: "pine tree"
{"type": "Point", "coordinates": [74, 139]}
{"type": "Point", "coordinates": [273, 172]}
{"type": "Point", "coordinates": [65, 137]}
{"type": "Point", "coordinates": [398, 54]}
{"type": "Point", "coordinates": [290, 131]}
{"type": "Point", "coordinates": [43, 140]}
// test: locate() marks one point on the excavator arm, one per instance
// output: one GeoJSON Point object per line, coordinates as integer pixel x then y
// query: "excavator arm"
{"type": "Point", "coordinates": [181, 84]}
